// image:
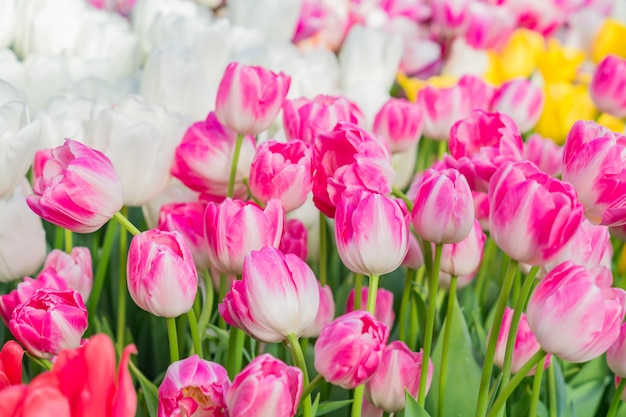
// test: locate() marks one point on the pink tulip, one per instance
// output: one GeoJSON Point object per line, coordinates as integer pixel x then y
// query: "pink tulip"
{"type": "Point", "coordinates": [11, 364]}
{"type": "Point", "coordinates": [442, 107]}
{"type": "Point", "coordinates": [399, 371]}
{"type": "Point", "coordinates": [295, 239]}
{"type": "Point", "coordinates": [616, 354]}
{"type": "Point", "coordinates": [481, 208]}
{"type": "Point", "coordinates": [481, 143]}
{"type": "Point", "coordinates": [266, 387]}
{"type": "Point", "coordinates": [450, 14]}
{"type": "Point", "coordinates": [349, 349]}
{"type": "Point", "coordinates": [161, 274]}
{"type": "Point", "coordinates": [282, 171]}
{"type": "Point", "coordinates": [525, 346]}
{"type": "Point", "coordinates": [234, 228]}
{"type": "Point", "coordinates": [575, 313]}
{"type": "Point", "coordinates": [75, 268]}
{"type": "Point", "coordinates": [594, 162]}
{"type": "Point", "coordinates": [46, 280]}
{"type": "Point", "coordinates": [521, 100]}
{"type": "Point", "coordinates": [488, 26]}
{"type": "Point", "coordinates": [399, 122]}
{"type": "Point", "coordinates": [384, 305]}
{"type": "Point", "coordinates": [532, 214]}
{"type": "Point", "coordinates": [346, 160]}
{"type": "Point", "coordinates": [277, 295]}
{"type": "Point", "coordinates": [203, 159]}
{"type": "Point", "coordinates": [544, 153]}
{"type": "Point", "coordinates": [414, 257]}
{"type": "Point", "coordinates": [49, 322]}
{"type": "Point", "coordinates": [443, 210]}
{"type": "Point", "coordinates": [76, 188]}
{"type": "Point", "coordinates": [249, 98]}
{"type": "Point", "coordinates": [193, 387]}
{"type": "Point", "coordinates": [372, 233]}
{"type": "Point", "coordinates": [480, 93]}
{"type": "Point", "coordinates": [306, 119]}
{"type": "Point", "coordinates": [325, 314]}
{"type": "Point", "coordinates": [464, 257]}
{"type": "Point", "coordinates": [608, 86]}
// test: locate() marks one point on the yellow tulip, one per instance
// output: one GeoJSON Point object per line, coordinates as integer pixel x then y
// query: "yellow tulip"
{"type": "Point", "coordinates": [517, 59]}
{"type": "Point", "coordinates": [610, 39]}
{"type": "Point", "coordinates": [611, 122]}
{"type": "Point", "coordinates": [412, 86]}
{"type": "Point", "coordinates": [559, 63]}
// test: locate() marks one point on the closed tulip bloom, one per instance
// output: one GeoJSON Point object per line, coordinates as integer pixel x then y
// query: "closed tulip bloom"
{"type": "Point", "coordinates": [521, 100]}
{"type": "Point", "coordinates": [203, 159]}
{"type": "Point", "coordinates": [266, 387]}
{"type": "Point", "coordinates": [594, 162]}
{"type": "Point", "coordinates": [249, 98]}
{"type": "Point", "coordinates": [282, 171]}
{"type": "Point", "coordinates": [414, 257]}
{"type": "Point", "coordinates": [464, 257]}
{"type": "Point", "coordinates": [74, 268]}
{"type": "Point", "coordinates": [384, 305]}
{"type": "Point", "coordinates": [372, 233]}
{"type": "Point", "coordinates": [575, 313]}
{"type": "Point", "coordinates": [325, 313]}
{"type": "Point", "coordinates": [525, 204]}
{"type": "Point", "coordinates": [442, 107]}
{"type": "Point", "coordinates": [400, 123]}
{"type": "Point", "coordinates": [450, 14]}
{"type": "Point", "coordinates": [11, 356]}
{"type": "Point", "coordinates": [544, 153]}
{"type": "Point", "coordinates": [349, 349]}
{"type": "Point", "coordinates": [277, 295]}
{"type": "Point", "coordinates": [443, 210]}
{"type": "Point", "coordinates": [399, 372]}
{"type": "Point", "coordinates": [193, 387]}
{"type": "Point", "coordinates": [76, 188]}
{"type": "Point", "coordinates": [49, 322]}
{"type": "Point", "coordinates": [234, 228]}
{"type": "Point", "coordinates": [295, 239]}
{"type": "Point", "coordinates": [161, 274]}
{"type": "Point", "coordinates": [608, 86]}
{"type": "Point", "coordinates": [616, 354]}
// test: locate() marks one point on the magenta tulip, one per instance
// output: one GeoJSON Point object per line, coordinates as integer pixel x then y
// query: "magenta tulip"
{"type": "Point", "coordinates": [295, 239]}
{"type": "Point", "coordinates": [608, 86]}
{"type": "Point", "coordinates": [521, 100]}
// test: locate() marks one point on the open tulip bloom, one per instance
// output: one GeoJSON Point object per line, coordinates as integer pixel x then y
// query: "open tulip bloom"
{"type": "Point", "coordinates": [301, 208]}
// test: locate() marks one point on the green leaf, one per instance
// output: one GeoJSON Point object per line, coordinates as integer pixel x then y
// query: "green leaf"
{"type": "Point", "coordinates": [413, 409]}
{"type": "Point", "coordinates": [315, 404]}
{"type": "Point", "coordinates": [151, 400]}
{"type": "Point", "coordinates": [585, 399]}
{"type": "Point", "coordinates": [330, 406]}
{"type": "Point", "coordinates": [561, 394]}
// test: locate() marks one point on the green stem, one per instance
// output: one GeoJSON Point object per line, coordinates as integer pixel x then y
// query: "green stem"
{"type": "Point", "coordinates": [44, 363]}
{"type": "Point", "coordinates": [398, 193]}
{"type": "Point", "coordinates": [233, 166]}
{"type": "Point", "coordinates": [68, 241]}
{"type": "Point", "coordinates": [323, 250]}
{"type": "Point", "coordinates": [222, 294]}
{"type": "Point", "coordinates": [122, 289]}
{"type": "Point", "coordinates": [195, 334]}
{"type": "Point", "coordinates": [300, 363]}
{"type": "Point", "coordinates": [552, 389]}
{"type": "Point", "coordinates": [234, 355]}
{"type": "Point", "coordinates": [172, 336]}
{"type": "Point", "coordinates": [483, 391]}
{"type": "Point", "coordinates": [358, 289]}
{"type": "Point", "coordinates": [481, 280]}
{"type": "Point", "coordinates": [121, 218]}
{"type": "Point", "coordinates": [357, 402]}
{"type": "Point", "coordinates": [404, 304]}
{"type": "Point", "coordinates": [101, 268]}
{"type": "Point", "coordinates": [372, 293]}
{"type": "Point", "coordinates": [617, 398]}
{"type": "Point", "coordinates": [207, 307]}
{"type": "Point", "coordinates": [534, 399]}
{"type": "Point", "coordinates": [515, 381]}
{"type": "Point", "coordinates": [443, 147]}
{"type": "Point", "coordinates": [315, 382]}
{"type": "Point", "coordinates": [446, 344]}
{"type": "Point", "coordinates": [59, 232]}
{"type": "Point", "coordinates": [430, 322]}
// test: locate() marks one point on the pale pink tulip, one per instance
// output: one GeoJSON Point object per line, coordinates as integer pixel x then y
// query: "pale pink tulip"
{"type": "Point", "coordinates": [481, 208]}
{"type": "Point", "coordinates": [399, 122]}
{"type": "Point", "coordinates": [295, 239]}
{"type": "Point", "coordinates": [249, 98]}
{"type": "Point", "coordinates": [585, 323]}
{"type": "Point", "coordinates": [544, 153]}
{"type": "Point", "coordinates": [414, 257]}
{"type": "Point", "coordinates": [442, 107]}
{"type": "Point", "coordinates": [590, 246]}
{"type": "Point", "coordinates": [74, 267]}
{"type": "Point", "coordinates": [450, 14]}
{"type": "Point", "coordinates": [616, 354]}
{"type": "Point", "coordinates": [521, 100]}
{"type": "Point", "coordinates": [488, 26]}
{"type": "Point", "coordinates": [480, 93]}
{"type": "Point", "coordinates": [76, 187]}
{"type": "Point", "coordinates": [384, 305]}
{"type": "Point", "coordinates": [161, 274]}
{"type": "Point", "coordinates": [325, 314]}
{"type": "Point", "coordinates": [277, 295]}
{"type": "Point", "coordinates": [608, 86]}
{"type": "Point", "coordinates": [188, 220]}
{"type": "Point", "coordinates": [464, 257]}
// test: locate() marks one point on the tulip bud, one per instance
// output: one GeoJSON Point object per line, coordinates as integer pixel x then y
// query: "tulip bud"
{"type": "Point", "coordinates": [463, 258]}
{"type": "Point", "coordinates": [74, 268]}
{"type": "Point", "coordinates": [400, 123]}
{"type": "Point", "coordinates": [161, 275]}
{"type": "Point", "coordinates": [384, 304]}
{"type": "Point", "coordinates": [441, 108]}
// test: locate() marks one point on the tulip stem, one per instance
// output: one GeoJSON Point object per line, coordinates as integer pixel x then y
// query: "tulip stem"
{"type": "Point", "coordinates": [398, 193]}
{"type": "Point", "coordinates": [517, 315]}
{"type": "Point", "coordinates": [233, 166]}
{"type": "Point", "coordinates": [534, 399]}
{"type": "Point", "coordinates": [123, 220]}
{"type": "Point", "coordinates": [404, 304]}
{"type": "Point", "coordinates": [617, 398]}
{"type": "Point", "coordinates": [172, 336]}
{"type": "Point", "coordinates": [315, 382]}
{"type": "Point", "coordinates": [372, 293]}
{"type": "Point", "coordinates": [358, 285]}
{"type": "Point", "coordinates": [207, 306]}
{"type": "Point", "coordinates": [446, 344]}
{"type": "Point", "coordinates": [221, 295]}
{"type": "Point", "coordinates": [357, 402]}
{"type": "Point", "coordinates": [483, 391]}
{"type": "Point", "coordinates": [122, 288]}
{"type": "Point", "coordinates": [234, 355]}
{"type": "Point", "coordinates": [551, 390]}
{"type": "Point", "coordinates": [44, 363]}
{"type": "Point", "coordinates": [443, 147]}
{"type": "Point", "coordinates": [430, 322]}
{"type": "Point", "coordinates": [298, 357]}
{"type": "Point", "coordinates": [101, 269]}
{"type": "Point", "coordinates": [195, 334]}
{"type": "Point", "coordinates": [323, 250]}
{"type": "Point", "coordinates": [68, 240]}
{"type": "Point", "coordinates": [481, 281]}
{"type": "Point", "coordinates": [515, 381]}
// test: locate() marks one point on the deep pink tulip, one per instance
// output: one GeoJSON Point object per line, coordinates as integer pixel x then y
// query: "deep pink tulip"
{"type": "Point", "coordinates": [594, 162]}
{"type": "Point", "coordinates": [399, 122]}
{"type": "Point", "coordinates": [399, 371]}
{"type": "Point", "coordinates": [526, 344]}
{"type": "Point", "coordinates": [194, 387]}
{"type": "Point", "coordinates": [249, 98]}
{"type": "Point", "coordinates": [295, 239]}
{"type": "Point", "coordinates": [282, 171]}
{"type": "Point", "coordinates": [306, 119]}
{"type": "Point", "coordinates": [616, 354]}
{"type": "Point", "coordinates": [47, 280]}
{"type": "Point", "coordinates": [11, 364]}
{"type": "Point", "coordinates": [233, 228]}
{"type": "Point", "coordinates": [608, 86]}
{"type": "Point", "coordinates": [532, 214]}
{"type": "Point", "coordinates": [49, 322]}
{"type": "Point", "coordinates": [346, 160]}
{"type": "Point", "coordinates": [74, 267]}
{"type": "Point", "coordinates": [481, 143]}
{"type": "Point", "coordinates": [575, 313]}
{"type": "Point", "coordinates": [544, 153]}
{"type": "Point", "coordinates": [443, 210]}
{"type": "Point", "coordinates": [266, 387]}
{"type": "Point", "coordinates": [161, 274]}
{"type": "Point", "coordinates": [76, 188]}
{"type": "Point", "coordinates": [349, 349]}
{"type": "Point", "coordinates": [372, 233]}
{"type": "Point", "coordinates": [277, 295]}
{"type": "Point", "coordinates": [521, 100]}
{"type": "Point", "coordinates": [464, 257]}
{"type": "Point", "coordinates": [325, 314]}
{"type": "Point", "coordinates": [203, 159]}
{"type": "Point", "coordinates": [384, 304]}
